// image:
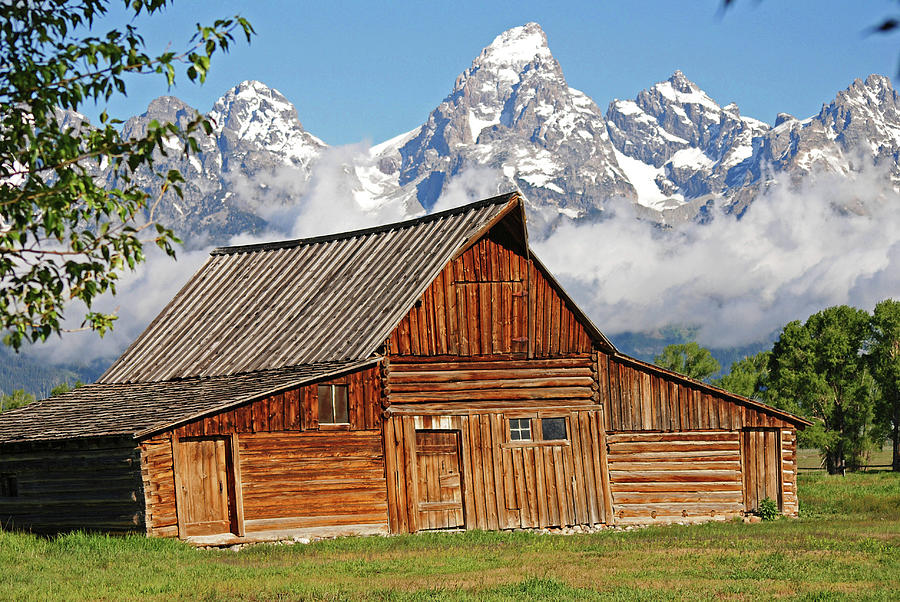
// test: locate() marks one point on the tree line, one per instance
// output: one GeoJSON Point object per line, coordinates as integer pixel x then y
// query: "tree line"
{"type": "Point", "coordinates": [840, 368]}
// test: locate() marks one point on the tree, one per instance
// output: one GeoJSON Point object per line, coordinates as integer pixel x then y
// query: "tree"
{"type": "Point", "coordinates": [748, 376]}
{"type": "Point", "coordinates": [65, 238]}
{"type": "Point", "coordinates": [65, 387]}
{"type": "Point", "coordinates": [16, 399]}
{"type": "Point", "coordinates": [817, 370]}
{"type": "Point", "coordinates": [689, 359]}
{"type": "Point", "coordinates": [884, 359]}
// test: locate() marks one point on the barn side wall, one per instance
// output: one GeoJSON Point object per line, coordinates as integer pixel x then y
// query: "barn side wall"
{"type": "Point", "coordinates": [505, 484]}
{"type": "Point", "coordinates": [294, 475]}
{"type": "Point", "coordinates": [314, 479]}
{"type": "Point", "coordinates": [676, 450]}
{"type": "Point", "coordinates": [638, 399]}
{"type": "Point", "coordinates": [676, 476]}
{"type": "Point", "coordinates": [56, 486]}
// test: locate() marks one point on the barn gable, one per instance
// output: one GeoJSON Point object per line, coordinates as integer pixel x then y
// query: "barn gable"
{"type": "Point", "coordinates": [496, 298]}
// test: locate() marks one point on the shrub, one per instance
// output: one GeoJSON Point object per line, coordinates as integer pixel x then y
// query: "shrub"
{"type": "Point", "coordinates": [768, 509]}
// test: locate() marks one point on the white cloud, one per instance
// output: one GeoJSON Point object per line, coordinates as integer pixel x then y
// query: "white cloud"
{"type": "Point", "coordinates": [470, 185]}
{"type": "Point", "coordinates": [796, 250]}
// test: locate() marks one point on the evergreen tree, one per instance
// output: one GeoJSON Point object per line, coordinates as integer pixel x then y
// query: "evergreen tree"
{"type": "Point", "coordinates": [16, 399]}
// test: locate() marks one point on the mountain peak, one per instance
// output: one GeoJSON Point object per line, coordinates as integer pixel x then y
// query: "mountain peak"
{"type": "Point", "coordinates": [681, 83]}
{"type": "Point", "coordinates": [517, 46]}
{"type": "Point", "coordinates": [252, 88]}
{"type": "Point", "coordinates": [678, 89]}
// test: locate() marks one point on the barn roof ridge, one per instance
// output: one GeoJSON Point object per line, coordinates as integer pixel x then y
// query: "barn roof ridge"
{"type": "Point", "coordinates": [276, 245]}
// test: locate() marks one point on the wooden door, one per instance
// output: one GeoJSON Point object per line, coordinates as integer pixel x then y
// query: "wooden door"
{"type": "Point", "coordinates": [761, 461]}
{"type": "Point", "coordinates": [202, 486]}
{"type": "Point", "coordinates": [438, 480]}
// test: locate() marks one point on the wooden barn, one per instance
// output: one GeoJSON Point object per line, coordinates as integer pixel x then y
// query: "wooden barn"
{"type": "Point", "coordinates": [429, 374]}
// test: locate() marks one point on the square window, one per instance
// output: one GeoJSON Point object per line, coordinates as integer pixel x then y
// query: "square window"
{"type": "Point", "coordinates": [520, 429]}
{"type": "Point", "coordinates": [334, 404]}
{"type": "Point", "coordinates": [553, 429]}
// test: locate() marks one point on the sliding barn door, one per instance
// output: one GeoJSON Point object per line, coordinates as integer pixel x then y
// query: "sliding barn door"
{"type": "Point", "coordinates": [439, 483]}
{"type": "Point", "coordinates": [202, 486]}
{"type": "Point", "coordinates": [761, 460]}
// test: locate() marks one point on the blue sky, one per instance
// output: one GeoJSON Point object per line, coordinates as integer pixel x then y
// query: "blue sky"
{"type": "Point", "coordinates": [370, 70]}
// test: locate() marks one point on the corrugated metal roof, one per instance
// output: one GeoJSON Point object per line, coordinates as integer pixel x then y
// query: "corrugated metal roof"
{"type": "Point", "coordinates": [142, 408]}
{"type": "Point", "coordinates": [324, 299]}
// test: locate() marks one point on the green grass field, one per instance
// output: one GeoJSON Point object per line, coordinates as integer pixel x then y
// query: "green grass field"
{"type": "Point", "coordinates": [846, 545]}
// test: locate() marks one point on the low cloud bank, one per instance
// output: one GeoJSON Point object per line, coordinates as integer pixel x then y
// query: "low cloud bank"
{"type": "Point", "coordinates": [796, 250]}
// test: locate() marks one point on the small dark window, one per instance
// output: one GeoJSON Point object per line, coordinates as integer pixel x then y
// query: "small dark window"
{"type": "Point", "coordinates": [553, 429]}
{"type": "Point", "coordinates": [333, 404]}
{"type": "Point", "coordinates": [520, 429]}
{"type": "Point", "coordinates": [9, 486]}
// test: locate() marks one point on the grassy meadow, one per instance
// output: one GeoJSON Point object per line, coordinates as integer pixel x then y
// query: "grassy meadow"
{"type": "Point", "coordinates": [846, 545]}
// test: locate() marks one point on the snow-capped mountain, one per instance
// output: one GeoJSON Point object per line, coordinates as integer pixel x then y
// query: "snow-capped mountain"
{"type": "Point", "coordinates": [675, 143]}
{"type": "Point", "coordinates": [859, 129]}
{"type": "Point", "coordinates": [512, 121]}
{"type": "Point", "coordinates": [256, 137]}
{"type": "Point", "coordinates": [512, 112]}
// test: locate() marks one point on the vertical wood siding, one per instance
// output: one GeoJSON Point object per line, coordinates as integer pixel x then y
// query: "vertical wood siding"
{"type": "Point", "coordinates": [490, 300]}
{"type": "Point", "coordinates": [92, 484]}
{"type": "Point", "coordinates": [669, 477]}
{"type": "Point", "coordinates": [553, 327]}
{"type": "Point", "coordinates": [505, 484]}
{"type": "Point", "coordinates": [294, 410]}
{"type": "Point", "coordinates": [636, 399]}
{"type": "Point", "coordinates": [761, 458]}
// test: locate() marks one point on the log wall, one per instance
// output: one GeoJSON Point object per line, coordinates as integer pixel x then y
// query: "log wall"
{"type": "Point", "coordinates": [670, 477]}
{"type": "Point", "coordinates": [491, 300]}
{"type": "Point", "coordinates": [158, 474]}
{"type": "Point", "coordinates": [302, 480]}
{"type": "Point", "coordinates": [490, 380]}
{"type": "Point", "coordinates": [637, 398]}
{"type": "Point", "coordinates": [92, 484]}
{"type": "Point", "coordinates": [293, 472]}
{"type": "Point", "coordinates": [790, 504]}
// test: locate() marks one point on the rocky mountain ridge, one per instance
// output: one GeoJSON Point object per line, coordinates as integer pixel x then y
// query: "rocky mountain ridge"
{"type": "Point", "coordinates": [512, 121]}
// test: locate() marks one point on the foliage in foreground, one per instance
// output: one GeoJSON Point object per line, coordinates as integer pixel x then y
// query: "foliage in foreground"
{"type": "Point", "coordinates": [846, 545]}
{"type": "Point", "coordinates": [66, 234]}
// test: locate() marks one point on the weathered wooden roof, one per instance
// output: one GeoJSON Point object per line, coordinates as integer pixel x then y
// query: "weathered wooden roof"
{"type": "Point", "coordinates": [141, 408]}
{"type": "Point", "coordinates": [324, 299]}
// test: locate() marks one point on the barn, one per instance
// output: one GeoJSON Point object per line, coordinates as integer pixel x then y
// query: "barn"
{"type": "Point", "coordinates": [427, 374]}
